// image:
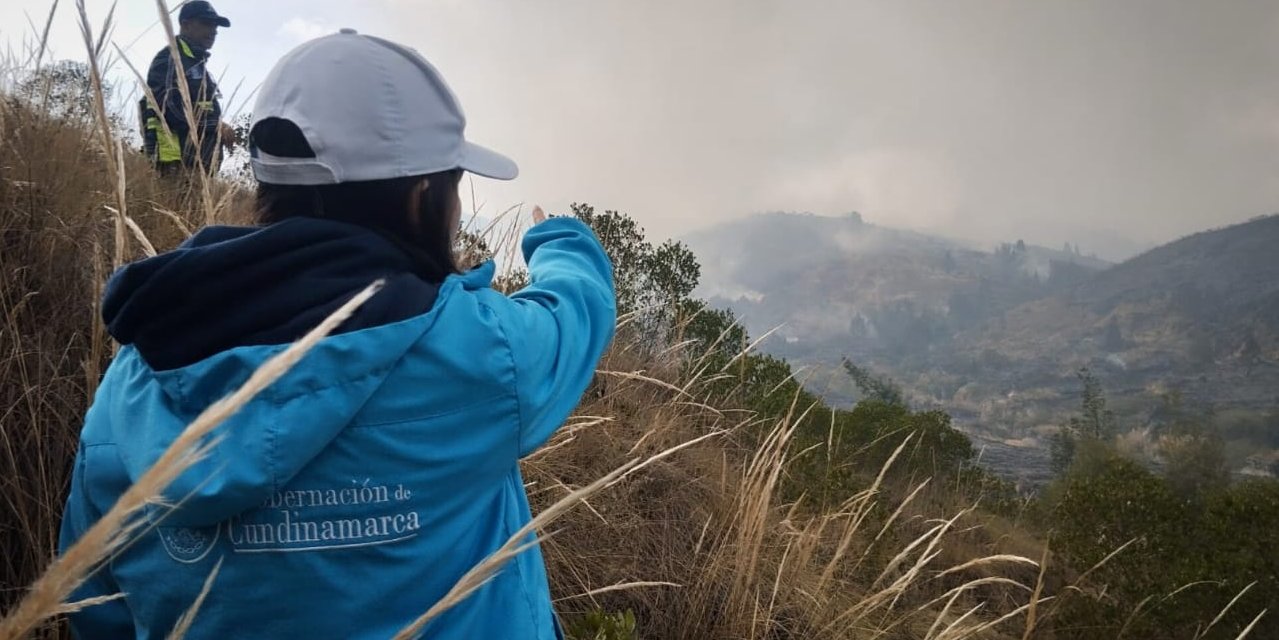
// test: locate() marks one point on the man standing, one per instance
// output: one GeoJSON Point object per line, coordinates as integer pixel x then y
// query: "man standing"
{"type": "Point", "coordinates": [169, 137]}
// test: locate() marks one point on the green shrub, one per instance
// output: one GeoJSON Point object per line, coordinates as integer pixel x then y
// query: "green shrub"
{"type": "Point", "coordinates": [1189, 555]}
{"type": "Point", "coordinates": [601, 625]}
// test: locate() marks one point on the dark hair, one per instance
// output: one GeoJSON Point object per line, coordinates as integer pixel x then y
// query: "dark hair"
{"type": "Point", "coordinates": [378, 205]}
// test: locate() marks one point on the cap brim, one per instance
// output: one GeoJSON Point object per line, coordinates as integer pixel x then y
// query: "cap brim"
{"type": "Point", "coordinates": [214, 19]}
{"type": "Point", "coordinates": [487, 163]}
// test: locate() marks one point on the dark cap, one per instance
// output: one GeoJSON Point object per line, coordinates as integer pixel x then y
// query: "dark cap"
{"type": "Point", "coordinates": [201, 10]}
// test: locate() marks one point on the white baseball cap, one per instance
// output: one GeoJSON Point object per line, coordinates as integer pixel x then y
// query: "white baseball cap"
{"type": "Point", "coordinates": [370, 109]}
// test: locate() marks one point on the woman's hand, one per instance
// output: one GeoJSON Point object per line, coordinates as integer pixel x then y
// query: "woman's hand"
{"type": "Point", "coordinates": [538, 215]}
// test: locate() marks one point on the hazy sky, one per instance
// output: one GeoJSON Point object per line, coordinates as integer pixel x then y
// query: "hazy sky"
{"type": "Point", "coordinates": [1103, 122]}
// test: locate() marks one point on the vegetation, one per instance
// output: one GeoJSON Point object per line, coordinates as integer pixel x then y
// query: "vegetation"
{"type": "Point", "coordinates": [873, 387]}
{"type": "Point", "coordinates": [1154, 552]}
{"type": "Point", "coordinates": [600, 625]}
{"type": "Point", "coordinates": [1192, 540]}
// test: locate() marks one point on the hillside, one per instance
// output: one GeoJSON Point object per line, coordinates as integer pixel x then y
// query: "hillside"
{"type": "Point", "coordinates": [1199, 316]}
{"type": "Point", "coordinates": [842, 287]}
{"type": "Point", "coordinates": [997, 338]}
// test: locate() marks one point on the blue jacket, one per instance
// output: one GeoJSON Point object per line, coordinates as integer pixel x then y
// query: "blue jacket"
{"type": "Point", "coordinates": [351, 495]}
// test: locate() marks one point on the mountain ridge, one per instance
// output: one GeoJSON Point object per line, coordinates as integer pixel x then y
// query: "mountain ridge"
{"type": "Point", "coordinates": [997, 337]}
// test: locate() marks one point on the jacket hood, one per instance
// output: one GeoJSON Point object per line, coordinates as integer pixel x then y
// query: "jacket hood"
{"type": "Point", "coordinates": [229, 287]}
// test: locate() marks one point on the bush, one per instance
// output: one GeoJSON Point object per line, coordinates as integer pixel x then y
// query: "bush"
{"type": "Point", "coordinates": [599, 625]}
{"type": "Point", "coordinates": [1186, 558]}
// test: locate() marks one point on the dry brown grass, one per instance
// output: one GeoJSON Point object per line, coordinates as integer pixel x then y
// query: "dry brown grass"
{"type": "Point", "coordinates": [74, 203]}
{"type": "Point", "coordinates": [709, 519]}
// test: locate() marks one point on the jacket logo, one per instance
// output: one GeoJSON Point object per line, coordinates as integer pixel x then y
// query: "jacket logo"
{"type": "Point", "coordinates": [188, 544]}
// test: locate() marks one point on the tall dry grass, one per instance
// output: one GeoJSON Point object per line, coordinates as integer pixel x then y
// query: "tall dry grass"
{"type": "Point", "coordinates": [713, 552]}
{"type": "Point", "coordinates": [74, 204]}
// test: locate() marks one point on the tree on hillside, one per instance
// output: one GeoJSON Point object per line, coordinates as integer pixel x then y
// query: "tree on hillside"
{"type": "Point", "coordinates": [64, 90]}
{"type": "Point", "coordinates": [715, 332]}
{"type": "Point", "coordinates": [1093, 427]}
{"type": "Point", "coordinates": [671, 272]}
{"type": "Point", "coordinates": [875, 388]}
{"type": "Point", "coordinates": [623, 240]}
{"type": "Point", "coordinates": [651, 282]}
{"type": "Point", "coordinates": [1095, 420]}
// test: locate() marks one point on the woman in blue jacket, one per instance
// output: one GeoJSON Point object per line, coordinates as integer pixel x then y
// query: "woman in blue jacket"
{"type": "Point", "coordinates": [351, 495]}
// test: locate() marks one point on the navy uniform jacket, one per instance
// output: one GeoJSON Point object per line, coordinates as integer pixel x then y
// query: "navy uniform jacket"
{"type": "Point", "coordinates": [177, 144]}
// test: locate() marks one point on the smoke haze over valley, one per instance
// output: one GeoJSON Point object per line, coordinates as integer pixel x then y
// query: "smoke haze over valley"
{"type": "Point", "coordinates": [1113, 126]}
